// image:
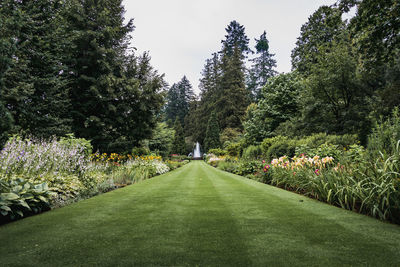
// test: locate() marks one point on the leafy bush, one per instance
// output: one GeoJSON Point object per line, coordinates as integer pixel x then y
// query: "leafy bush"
{"type": "Point", "coordinates": [140, 151]}
{"type": "Point", "coordinates": [234, 149]}
{"type": "Point", "coordinates": [385, 136]}
{"type": "Point", "coordinates": [217, 151]}
{"type": "Point", "coordinates": [71, 141]}
{"type": "Point", "coordinates": [252, 152]}
{"type": "Point", "coordinates": [229, 135]}
{"type": "Point", "coordinates": [176, 164]}
{"type": "Point", "coordinates": [19, 197]}
{"type": "Point", "coordinates": [316, 140]}
{"type": "Point", "coordinates": [249, 167]}
{"type": "Point", "coordinates": [268, 142]}
{"type": "Point", "coordinates": [323, 150]}
{"type": "Point", "coordinates": [227, 166]}
{"type": "Point", "coordinates": [176, 157]}
{"type": "Point", "coordinates": [281, 148]}
{"type": "Point", "coordinates": [342, 141]}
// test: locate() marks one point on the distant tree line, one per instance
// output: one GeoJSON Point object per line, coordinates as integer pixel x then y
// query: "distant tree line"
{"type": "Point", "coordinates": [345, 76]}
{"type": "Point", "coordinates": [227, 88]}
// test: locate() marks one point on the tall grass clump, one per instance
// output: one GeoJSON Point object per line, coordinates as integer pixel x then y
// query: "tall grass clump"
{"type": "Point", "coordinates": [139, 169]}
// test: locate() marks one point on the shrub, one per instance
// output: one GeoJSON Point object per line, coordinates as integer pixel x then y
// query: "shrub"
{"type": "Point", "coordinates": [342, 141]}
{"type": "Point", "coordinates": [227, 166]}
{"type": "Point", "coordinates": [175, 164]}
{"type": "Point", "coordinates": [325, 145]}
{"type": "Point", "coordinates": [252, 152]}
{"type": "Point", "coordinates": [71, 141]}
{"type": "Point", "coordinates": [268, 142]}
{"type": "Point", "coordinates": [217, 151]}
{"type": "Point", "coordinates": [281, 148]}
{"type": "Point", "coordinates": [229, 135]}
{"type": "Point", "coordinates": [19, 197]}
{"type": "Point", "coordinates": [213, 160]}
{"type": "Point", "coordinates": [234, 149]}
{"type": "Point", "coordinates": [323, 150]}
{"type": "Point", "coordinates": [140, 151]}
{"type": "Point", "coordinates": [249, 167]}
{"type": "Point", "coordinates": [385, 135]}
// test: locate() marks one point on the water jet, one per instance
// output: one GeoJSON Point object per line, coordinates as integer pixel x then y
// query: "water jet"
{"type": "Point", "coordinates": [197, 152]}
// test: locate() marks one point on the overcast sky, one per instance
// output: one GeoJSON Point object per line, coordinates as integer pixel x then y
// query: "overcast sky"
{"type": "Point", "coordinates": [181, 34]}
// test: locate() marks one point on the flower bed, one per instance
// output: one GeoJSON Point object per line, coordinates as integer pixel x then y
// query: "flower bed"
{"type": "Point", "coordinates": [37, 175]}
{"type": "Point", "coordinates": [353, 181]}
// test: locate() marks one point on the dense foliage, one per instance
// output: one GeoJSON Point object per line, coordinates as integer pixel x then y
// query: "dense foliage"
{"type": "Point", "coordinates": [66, 66]}
{"type": "Point", "coordinates": [212, 134]}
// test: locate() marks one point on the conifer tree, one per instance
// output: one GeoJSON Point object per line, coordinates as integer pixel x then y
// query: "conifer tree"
{"type": "Point", "coordinates": [32, 84]}
{"type": "Point", "coordinates": [172, 105]}
{"type": "Point", "coordinates": [232, 99]}
{"type": "Point", "coordinates": [209, 86]}
{"type": "Point", "coordinates": [262, 68]}
{"type": "Point", "coordinates": [138, 102]}
{"type": "Point", "coordinates": [178, 145]}
{"type": "Point", "coordinates": [212, 134]}
{"type": "Point", "coordinates": [179, 97]}
{"type": "Point", "coordinates": [235, 37]}
{"type": "Point", "coordinates": [100, 41]}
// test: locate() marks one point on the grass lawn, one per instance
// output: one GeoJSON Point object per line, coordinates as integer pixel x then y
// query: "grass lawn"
{"type": "Point", "coordinates": [198, 215]}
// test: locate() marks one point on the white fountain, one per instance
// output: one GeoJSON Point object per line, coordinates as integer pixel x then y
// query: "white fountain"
{"type": "Point", "coordinates": [196, 152]}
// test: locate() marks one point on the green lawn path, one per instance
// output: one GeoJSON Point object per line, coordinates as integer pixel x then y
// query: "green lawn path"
{"type": "Point", "coordinates": [199, 216]}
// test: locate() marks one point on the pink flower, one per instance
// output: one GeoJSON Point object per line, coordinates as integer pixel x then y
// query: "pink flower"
{"type": "Point", "coordinates": [316, 172]}
{"type": "Point", "coordinates": [266, 168]}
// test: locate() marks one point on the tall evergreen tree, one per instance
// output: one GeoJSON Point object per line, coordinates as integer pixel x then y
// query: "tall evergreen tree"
{"type": "Point", "coordinates": [9, 26]}
{"type": "Point", "coordinates": [33, 85]}
{"type": "Point", "coordinates": [236, 37]}
{"type": "Point", "coordinates": [139, 99]}
{"type": "Point", "coordinates": [178, 146]}
{"type": "Point", "coordinates": [100, 40]}
{"type": "Point", "coordinates": [179, 97]}
{"type": "Point", "coordinates": [262, 68]}
{"type": "Point", "coordinates": [232, 97]}
{"type": "Point", "coordinates": [191, 120]}
{"type": "Point", "coordinates": [212, 133]}
{"type": "Point", "coordinates": [209, 87]}
{"type": "Point", "coordinates": [186, 97]}
{"type": "Point", "coordinates": [172, 105]}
